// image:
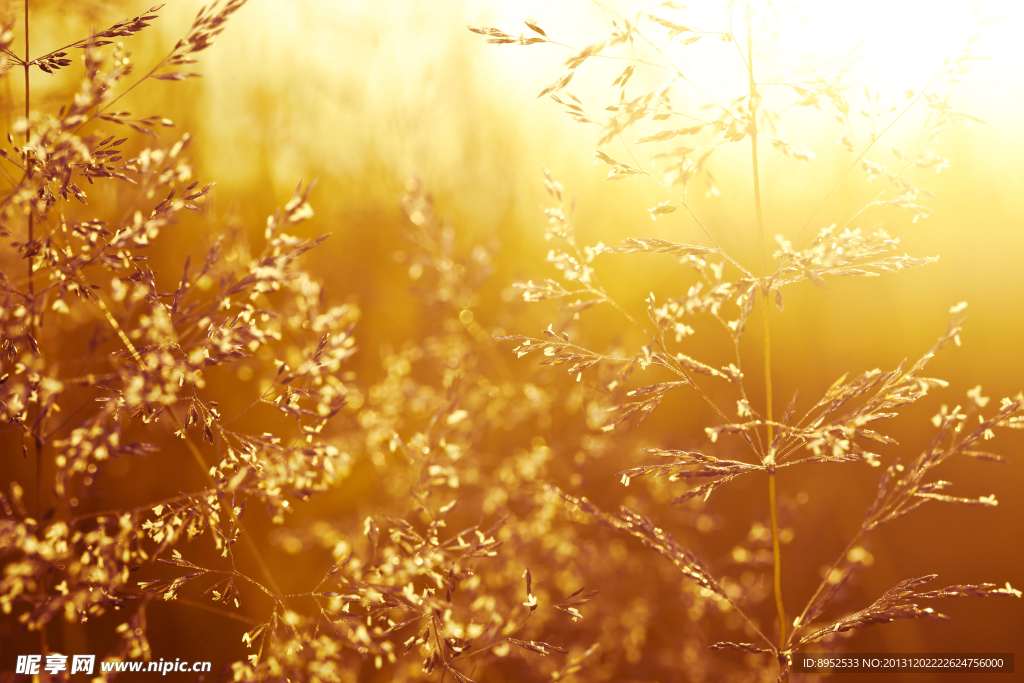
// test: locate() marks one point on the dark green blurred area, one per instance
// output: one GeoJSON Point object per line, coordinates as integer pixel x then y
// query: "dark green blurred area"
{"type": "Point", "coordinates": [364, 98]}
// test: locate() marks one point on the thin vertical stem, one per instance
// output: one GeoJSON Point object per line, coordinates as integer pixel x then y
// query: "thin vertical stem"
{"type": "Point", "coordinates": [28, 170]}
{"type": "Point", "coordinates": [40, 488]}
{"type": "Point", "coordinates": [770, 455]}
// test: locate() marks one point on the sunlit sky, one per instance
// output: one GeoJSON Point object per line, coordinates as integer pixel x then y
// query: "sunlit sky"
{"type": "Point", "coordinates": [400, 47]}
{"type": "Point", "coordinates": [898, 39]}
{"type": "Point", "coordinates": [399, 70]}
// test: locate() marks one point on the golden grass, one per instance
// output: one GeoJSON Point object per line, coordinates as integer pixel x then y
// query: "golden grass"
{"type": "Point", "coordinates": [406, 481]}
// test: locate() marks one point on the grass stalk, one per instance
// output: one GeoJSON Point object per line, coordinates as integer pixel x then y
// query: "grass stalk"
{"type": "Point", "coordinates": [31, 287]}
{"type": "Point", "coordinates": [769, 455]}
{"type": "Point", "coordinates": [28, 170]}
{"type": "Point", "coordinates": [40, 487]}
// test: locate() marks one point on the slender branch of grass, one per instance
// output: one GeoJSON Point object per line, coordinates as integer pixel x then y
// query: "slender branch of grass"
{"type": "Point", "coordinates": [598, 289]}
{"type": "Point", "coordinates": [138, 508]}
{"type": "Point", "coordinates": [674, 69]}
{"type": "Point", "coordinates": [119, 330]}
{"type": "Point", "coordinates": [686, 206]}
{"type": "Point", "coordinates": [108, 105]}
{"type": "Point", "coordinates": [661, 342]}
{"type": "Point", "coordinates": [249, 407]}
{"type": "Point", "coordinates": [667, 112]}
{"type": "Point", "coordinates": [246, 538]}
{"type": "Point", "coordinates": [911, 159]}
{"type": "Point", "coordinates": [440, 648]}
{"type": "Point", "coordinates": [821, 586]}
{"type": "Point", "coordinates": [233, 573]}
{"type": "Point", "coordinates": [676, 369]}
{"type": "Point", "coordinates": [7, 174]}
{"type": "Point", "coordinates": [213, 610]}
{"type": "Point", "coordinates": [759, 448]}
{"type": "Point", "coordinates": [618, 58]}
{"type": "Point", "coordinates": [64, 423]}
{"type": "Point", "coordinates": [103, 307]}
{"type": "Point", "coordinates": [15, 58]}
{"type": "Point", "coordinates": [885, 130]}
{"type": "Point", "coordinates": [485, 648]}
{"type": "Point", "coordinates": [769, 456]}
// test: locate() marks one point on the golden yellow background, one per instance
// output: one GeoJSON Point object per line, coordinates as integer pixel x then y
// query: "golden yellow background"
{"type": "Point", "coordinates": [363, 95]}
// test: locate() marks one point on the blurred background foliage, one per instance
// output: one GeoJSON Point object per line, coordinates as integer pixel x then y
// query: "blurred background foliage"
{"type": "Point", "coordinates": [364, 96]}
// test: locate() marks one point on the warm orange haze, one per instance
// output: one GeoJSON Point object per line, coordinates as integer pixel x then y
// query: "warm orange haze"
{"type": "Point", "coordinates": [597, 342]}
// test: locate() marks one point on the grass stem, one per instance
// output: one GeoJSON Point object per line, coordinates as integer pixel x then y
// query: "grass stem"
{"type": "Point", "coordinates": [769, 455]}
{"type": "Point", "coordinates": [28, 169]}
{"type": "Point", "coordinates": [40, 487]}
